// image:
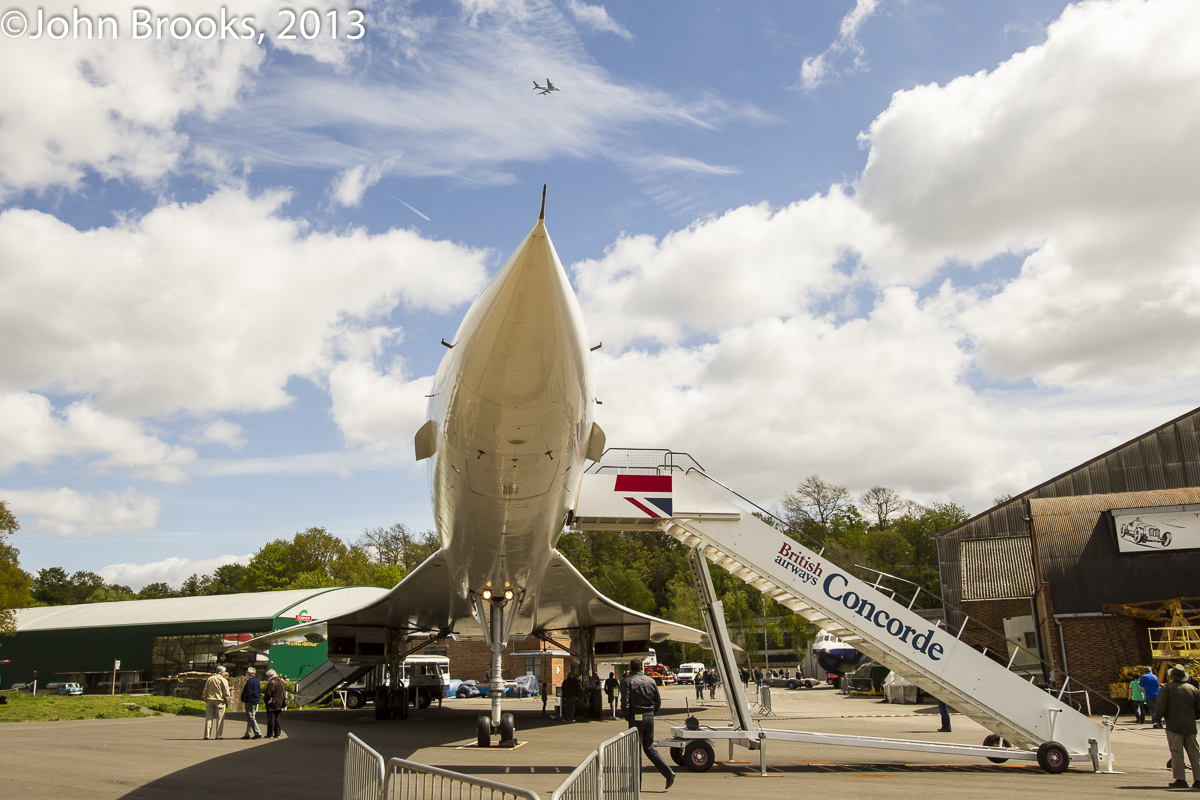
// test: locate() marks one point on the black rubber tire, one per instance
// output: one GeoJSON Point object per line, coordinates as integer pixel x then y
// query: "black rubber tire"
{"type": "Point", "coordinates": [699, 756]}
{"type": "Point", "coordinates": [483, 731]}
{"type": "Point", "coordinates": [677, 757]}
{"type": "Point", "coordinates": [1165, 541]}
{"type": "Point", "coordinates": [355, 700]}
{"type": "Point", "coordinates": [994, 740]}
{"type": "Point", "coordinates": [508, 728]}
{"type": "Point", "coordinates": [423, 699]}
{"type": "Point", "coordinates": [1053, 758]}
{"type": "Point", "coordinates": [793, 685]}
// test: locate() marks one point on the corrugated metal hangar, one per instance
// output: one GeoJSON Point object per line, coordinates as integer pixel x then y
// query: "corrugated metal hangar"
{"type": "Point", "coordinates": [156, 639]}
{"type": "Point", "coordinates": [1085, 567]}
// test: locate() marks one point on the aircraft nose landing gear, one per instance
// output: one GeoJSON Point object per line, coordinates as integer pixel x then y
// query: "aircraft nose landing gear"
{"type": "Point", "coordinates": [507, 730]}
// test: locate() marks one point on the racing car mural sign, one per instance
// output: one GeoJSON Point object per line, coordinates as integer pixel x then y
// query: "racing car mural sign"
{"type": "Point", "coordinates": [1157, 528]}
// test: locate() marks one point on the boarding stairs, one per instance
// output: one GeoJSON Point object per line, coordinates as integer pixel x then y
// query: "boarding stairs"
{"type": "Point", "coordinates": [677, 497]}
{"type": "Point", "coordinates": [325, 678]}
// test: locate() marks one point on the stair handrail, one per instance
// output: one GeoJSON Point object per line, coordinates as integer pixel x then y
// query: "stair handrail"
{"type": "Point", "coordinates": [1084, 688]}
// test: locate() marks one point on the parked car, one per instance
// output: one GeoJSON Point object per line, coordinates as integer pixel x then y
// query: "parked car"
{"type": "Point", "coordinates": [70, 688]}
{"type": "Point", "coordinates": [798, 682]}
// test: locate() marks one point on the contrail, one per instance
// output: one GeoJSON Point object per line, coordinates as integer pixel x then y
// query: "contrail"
{"type": "Point", "coordinates": [406, 205]}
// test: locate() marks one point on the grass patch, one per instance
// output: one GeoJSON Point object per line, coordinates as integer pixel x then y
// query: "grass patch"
{"type": "Point", "coordinates": [22, 707]}
{"type": "Point", "coordinates": [173, 705]}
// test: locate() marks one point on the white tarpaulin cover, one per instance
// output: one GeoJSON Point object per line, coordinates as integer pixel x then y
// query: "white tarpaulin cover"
{"type": "Point", "coordinates": [897, 690]}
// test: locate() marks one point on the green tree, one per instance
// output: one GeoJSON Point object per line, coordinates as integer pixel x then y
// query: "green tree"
{"type": "Point", "coordinates": [14, 581]}
{"type": "Point", "coordinates": [156, 591]}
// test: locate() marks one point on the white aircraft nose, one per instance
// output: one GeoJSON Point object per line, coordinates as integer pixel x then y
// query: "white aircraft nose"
{"type": "Point", "coordinates": [523, 339]}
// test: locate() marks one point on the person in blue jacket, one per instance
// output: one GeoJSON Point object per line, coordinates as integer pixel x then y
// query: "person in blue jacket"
{"type": "Point", "coordinates": [251, 696]}
{"type": "Point", "coordinates": [1149, 685]}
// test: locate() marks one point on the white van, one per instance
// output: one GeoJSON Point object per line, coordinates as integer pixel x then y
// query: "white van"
{"type": "Point", "coordinates": [687, 672]}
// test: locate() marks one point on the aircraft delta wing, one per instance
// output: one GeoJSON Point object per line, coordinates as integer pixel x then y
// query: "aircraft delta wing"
{"type": "Point", "coordinates": [423, 605]}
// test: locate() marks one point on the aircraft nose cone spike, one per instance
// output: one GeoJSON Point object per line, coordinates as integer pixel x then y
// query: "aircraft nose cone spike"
{"type": "Point", "coordinates": [523, 340]}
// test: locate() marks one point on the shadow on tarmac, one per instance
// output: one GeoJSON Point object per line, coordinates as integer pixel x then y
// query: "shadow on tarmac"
{"type": "Point", "coordinates": [307, 761]}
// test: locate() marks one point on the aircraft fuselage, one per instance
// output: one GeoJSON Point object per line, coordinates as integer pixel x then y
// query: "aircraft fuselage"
{"type": "Point", "coordinates": [512, 401]}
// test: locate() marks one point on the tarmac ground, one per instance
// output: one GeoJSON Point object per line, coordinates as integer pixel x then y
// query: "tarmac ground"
{"type": "Point", "coordinates": [166, 757]}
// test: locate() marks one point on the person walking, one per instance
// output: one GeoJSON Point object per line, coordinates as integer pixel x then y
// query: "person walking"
{"type": "Point", "coordinates": [1138, 700]}
{"type": "Point", "coordinates": [758, 678]}
{"type": "Point", "coordinates": [216, 699]}
{"type": "Point", "coordinates": [276, 701]}
{"type": "Point", "coordinates": [698, 679]}
{"type": "Point", "coordinates": [545, 694]}
{"type": "Point", "coordinates": [1179, 706]}
{"type": "Point", "coordinates": [710, 680]}
{"type": "Point", "coordinates": [1150, 687]}
{"type": "Point", "coordinates": [570, 696]}
{"type": "Point", "coordinates": [251, 695]}
{"type": "Point", "coordinates": [640, 701]}
{"type": "Point", "coordinates": [944, 710]}
{"type": "Point", "coordinates": [612, 687]}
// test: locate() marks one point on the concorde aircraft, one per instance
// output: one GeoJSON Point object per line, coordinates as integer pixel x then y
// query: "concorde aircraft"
{"type": "Point", "coordinates": [509, 433]}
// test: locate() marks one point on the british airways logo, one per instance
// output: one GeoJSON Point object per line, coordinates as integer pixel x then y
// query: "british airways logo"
{"type": "Point", "coordinates": [651, 494]}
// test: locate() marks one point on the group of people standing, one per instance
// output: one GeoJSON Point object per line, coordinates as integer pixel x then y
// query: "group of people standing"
{"type": "Point", "coordinates": [218, 694]}
{"type": "Point", "coordinates": [706, 679]}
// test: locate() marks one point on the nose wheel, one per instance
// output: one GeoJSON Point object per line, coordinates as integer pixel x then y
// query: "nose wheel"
{"type": "Point", "coordinates": [507, 730]}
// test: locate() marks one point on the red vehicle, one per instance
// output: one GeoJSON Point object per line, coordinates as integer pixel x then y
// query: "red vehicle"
{"type": "Point", "coordinates": [662, 676]}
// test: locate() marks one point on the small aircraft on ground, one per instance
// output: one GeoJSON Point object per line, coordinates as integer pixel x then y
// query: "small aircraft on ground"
{"type": "Point", "coordinates": [548, 88]}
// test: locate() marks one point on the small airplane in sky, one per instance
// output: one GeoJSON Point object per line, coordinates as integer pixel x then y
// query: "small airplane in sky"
{"type": "Point", "coordinates": [548, 88]}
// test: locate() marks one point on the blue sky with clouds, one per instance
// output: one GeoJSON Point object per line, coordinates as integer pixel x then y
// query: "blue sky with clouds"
{"type": "Point", "coordinates": [948, 248]}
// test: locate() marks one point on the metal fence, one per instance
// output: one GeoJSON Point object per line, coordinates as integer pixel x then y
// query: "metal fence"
{"type": "Point", "coordinates": [362, 774]}
{"type": "Point", "coordinates": [408, 780]}
{"type": "Point", "coordinates": [583, 783]}
{"type": "Point", "coordinates": [613, 771]}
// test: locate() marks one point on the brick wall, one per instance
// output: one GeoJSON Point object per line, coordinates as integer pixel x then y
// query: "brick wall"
{"type": "Point", "coordinates": [1097, 649]}
{"type": "Point", "coordinates": [985, 614]}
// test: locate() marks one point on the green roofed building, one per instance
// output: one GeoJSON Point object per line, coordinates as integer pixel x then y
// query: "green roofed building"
{"type": "Point", "coordinates": [157, 639]}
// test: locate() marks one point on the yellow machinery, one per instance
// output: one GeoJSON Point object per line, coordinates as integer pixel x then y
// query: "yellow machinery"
{"type": "Point", "coordinates": [1178, 642]}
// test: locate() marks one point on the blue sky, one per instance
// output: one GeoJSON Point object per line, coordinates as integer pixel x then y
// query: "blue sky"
{"type": "Point", "coordinates": [947, 248]}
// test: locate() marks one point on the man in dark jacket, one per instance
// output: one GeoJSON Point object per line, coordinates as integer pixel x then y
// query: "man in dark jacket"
{"type": "Point", "coordinates": [640, 701]}
{"type": "Point", "coordinates": [1178, 707]}
{"type": "Point", "coordinates": [612, 687]}
{"type": "Point", "coordinates": [570, 696]}
{"type": "Point", "coordinates": [276, 701]}
{"type": "Point", "coordinates": [251, 695]}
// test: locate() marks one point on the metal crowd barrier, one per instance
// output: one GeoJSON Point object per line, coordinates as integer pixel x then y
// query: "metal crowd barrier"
{"type": "Point", "coordinates": [363, 772]}
{"type": "Point", "coordinates": [621, 766]}
{"type": "Point", "coordinates": [408, 780]}
{"type": "Point", "coordinates": [583, 783]}
{"type": "Point", "coordinates": [613, 771]}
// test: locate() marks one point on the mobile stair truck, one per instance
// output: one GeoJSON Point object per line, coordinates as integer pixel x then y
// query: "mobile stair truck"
{"type": "Point", "coordinates": [626, 491]}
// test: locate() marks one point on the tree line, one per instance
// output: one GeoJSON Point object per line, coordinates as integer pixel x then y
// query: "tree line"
{"type": "Point", "coordinates": [648, 572]}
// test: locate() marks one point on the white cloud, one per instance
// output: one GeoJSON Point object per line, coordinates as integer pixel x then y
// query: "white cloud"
{"type": "Point", "coordinates": [349, 186]}
{"type": "Point", "coordinates": [220, 431]}
{"type": "Point", "coordinates": [816, 69]}
{"type": "Point", "coordinates": [202, 308]}
{"type": "Point", "coordinates": [823, 337]}
{"type": "Point", "coordinates": [173, 571]}
{"type": "Point", "coordinates": [597, 18]}
{"type": "Point", "coordinates": [33, 432]}
{"type": "Point", "coordinates": [469, 109]}
{"type": "Point", "coordinates": [66, 512]}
